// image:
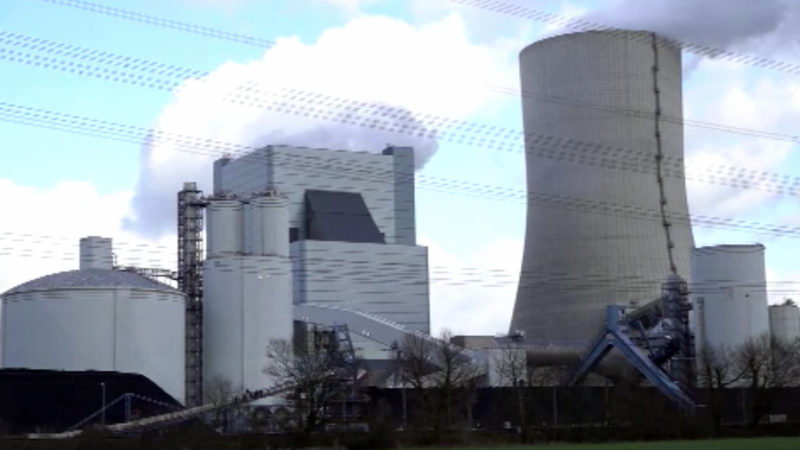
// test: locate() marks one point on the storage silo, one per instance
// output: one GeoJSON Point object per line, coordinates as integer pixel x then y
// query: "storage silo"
{"type": "Point", "coordinates": [96, 318]}
{"type": "Point", "coordinates": [784, 322]}
{"type": "Point", "coordinates": [729, 292]}
{"type": "Point", "coordinates": [247, 299]}
{"type": "Point", "coordinates": [607, 217]}
{"type": "Point", "coordinates": [266, 231]}
{"type": "Point", "coordinates": [224, 224]}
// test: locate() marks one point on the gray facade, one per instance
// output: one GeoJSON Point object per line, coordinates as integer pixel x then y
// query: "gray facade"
{"type": "Point", "coordinates": [385, 181]}
{"type": "Point", "coordinates": [352, 226]}
{"type": "Point", "coordinates": [386, 280]}
{"type": "Point", "coordinates": [607, 216]}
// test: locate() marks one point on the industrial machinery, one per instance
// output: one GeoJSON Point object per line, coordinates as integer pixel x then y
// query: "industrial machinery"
{"type": "Point", "coordinates": [655, 339]}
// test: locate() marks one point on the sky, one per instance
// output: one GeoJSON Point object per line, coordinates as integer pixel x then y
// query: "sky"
{"type": "Point", "coordinates": [108, 106]}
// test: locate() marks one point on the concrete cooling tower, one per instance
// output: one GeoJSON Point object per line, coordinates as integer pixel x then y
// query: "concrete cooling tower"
{"type": "Point", "coordinates": [607, 216]}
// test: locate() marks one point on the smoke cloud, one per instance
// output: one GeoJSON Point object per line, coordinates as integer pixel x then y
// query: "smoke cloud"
{"type": "Point", "coordinates": [322, 95]}
{"type": "Point", "coordinates": [765, 26]}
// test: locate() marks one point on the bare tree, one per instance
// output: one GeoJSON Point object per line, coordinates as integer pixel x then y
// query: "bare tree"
{"type": "Point", "coordinates": [511, 366]}
{"type": "Point", "coordinates": [716, 370]}
{"type": "Point", "coordinates": [415, 361]}
{"type": "Point", "coordinates": [767, 364]}
{"type": "Point", "coordinates": [318, 374]}
{"type": "Point", "coordinates": [220, 391]}
{"type": "Point", "coordinates": [441, 375]}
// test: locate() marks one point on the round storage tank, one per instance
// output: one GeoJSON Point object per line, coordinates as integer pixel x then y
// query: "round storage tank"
{"type": "Point", "coordinates": [96, 319]}
{"type": "Point", "coordinates": [729, 293]}
{"type": "Point", "coordinates": [605, 223]}
{"type": "Point", "coordinates": [784, 322]}
{"type": "Point", "coordinates": [270, 224]}
{"type": "Point", "coordinates": [224, 218]}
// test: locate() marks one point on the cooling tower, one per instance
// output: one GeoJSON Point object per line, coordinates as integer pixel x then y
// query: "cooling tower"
{"type": "Point", "coordinates": [607, 216]}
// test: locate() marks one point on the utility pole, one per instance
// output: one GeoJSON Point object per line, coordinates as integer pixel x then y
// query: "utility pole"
{"type": "Point", "coordinates": [103, 410]}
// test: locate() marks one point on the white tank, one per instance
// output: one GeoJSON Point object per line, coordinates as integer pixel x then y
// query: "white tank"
{"type": "Point", "coordinates": [247, 299]}
{"type": "Point", "coordinates": [267, 225]}
{"type": "Point", "coordinates": [224, 222]}
{"type": "Point", "coordinates": [605, 222]}
{"type": "Point", "coordinates": [247, 302]}
{"type": "Point", "coordinates": [96, 319]}
{"type": "Point", "coordinates": [784, 322]}
{"type": "Point", "coordinates": [729, 292]}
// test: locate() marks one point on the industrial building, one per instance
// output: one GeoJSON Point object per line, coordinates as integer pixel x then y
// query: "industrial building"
{"type": "Point", "coordinates": [299, 237]}
{"type": "Point", "coordinates": [607, 215]}
{"type": "Point", "coordinates": [317, 236]}
{"type": "Point", "coordinates": [352, 228]}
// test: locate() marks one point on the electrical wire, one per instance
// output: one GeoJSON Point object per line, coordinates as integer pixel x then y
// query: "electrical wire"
{"type": "Point", "coordinates": [331, 166]}
{"type": "Point", "coordinates": [340, 271]}
{"type": "Point", "coordinates": [576, 24]}
{"type": "Point", "coordinates": [489, 5]}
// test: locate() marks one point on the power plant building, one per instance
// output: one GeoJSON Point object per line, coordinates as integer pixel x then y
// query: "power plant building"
{"type": "Point", "coordinates": [351, 228]}
{"type": "Point", "coordinates": [607, 216]}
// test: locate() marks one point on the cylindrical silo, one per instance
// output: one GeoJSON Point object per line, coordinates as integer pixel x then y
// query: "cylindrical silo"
{"type": "Point", "coordinates": [224, 219]}
{"type": "Point", "coordinates": [784, 322]}
{"type": "Point", "coordinates": [247, 299]}
{"type": "Point", "coordinates": [607, 216]}
{"type": "Point", "coordinates": [729, 293]}
{"type": "Point", "coordinates": [96, 253]}
{"type": "Point", "coordinates": [267, 231]}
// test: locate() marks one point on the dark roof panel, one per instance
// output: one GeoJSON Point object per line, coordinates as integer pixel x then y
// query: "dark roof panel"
{"type": "Point", "coordinates": [339, 216]}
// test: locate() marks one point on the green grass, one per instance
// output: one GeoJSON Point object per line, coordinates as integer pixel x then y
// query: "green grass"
{"type": "Point", "coordinates": [775, 443]}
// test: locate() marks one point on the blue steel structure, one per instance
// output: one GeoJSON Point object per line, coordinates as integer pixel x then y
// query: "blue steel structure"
{"type": "Point", "coordinates": [655, 339]}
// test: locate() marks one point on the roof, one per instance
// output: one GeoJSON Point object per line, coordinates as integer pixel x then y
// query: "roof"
{"type": "Point", "coordinates": [91, 278]}
{"type": "Point", "coordinates": [340, 216]}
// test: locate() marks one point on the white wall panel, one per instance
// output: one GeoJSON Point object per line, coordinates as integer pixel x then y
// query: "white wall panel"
{"type": "Point", "coordinates": [387, 280]}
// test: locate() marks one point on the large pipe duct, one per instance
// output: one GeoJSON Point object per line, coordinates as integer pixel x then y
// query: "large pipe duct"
{"type": "Point", "coordinates": [607, 216]}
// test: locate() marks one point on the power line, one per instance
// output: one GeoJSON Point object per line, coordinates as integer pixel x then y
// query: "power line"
{"type": "Point", "coordinates": [577, 24]}
{"type": "Point", "coordinates": [152, 74]}
{"type": "Point", "coordinates": [125, 133]}
{"type": "Point", "coordinates": [370, 272]}
{"type": "Point", "coordinates": [327, 107]}
{"type": "Point", "coordinates": [147, 19]}
{"type": "Point", "coordinates": [490, 5]}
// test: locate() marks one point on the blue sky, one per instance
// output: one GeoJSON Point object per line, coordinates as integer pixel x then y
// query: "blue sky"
{"type": "Point", "coordinates": [441, 58]}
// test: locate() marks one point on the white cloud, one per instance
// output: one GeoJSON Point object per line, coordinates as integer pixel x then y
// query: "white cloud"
{"type": "Point", "coordinates": [726, 93]}
{"type": "Point", "coordinates": [432, 69]}
{"type": "Point", "coordinates": [41, 237]}
{"type": "Point", "coordinates": [474, 295]}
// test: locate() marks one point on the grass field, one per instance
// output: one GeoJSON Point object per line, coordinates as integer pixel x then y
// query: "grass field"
{"type": "Point", "coordinates": [777, 443]}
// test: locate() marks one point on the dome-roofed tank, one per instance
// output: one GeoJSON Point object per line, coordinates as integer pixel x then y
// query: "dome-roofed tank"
{"type": "Point", "coordinates": [96, 318]}
{"type": "Point", "coordinates": [607, 215]}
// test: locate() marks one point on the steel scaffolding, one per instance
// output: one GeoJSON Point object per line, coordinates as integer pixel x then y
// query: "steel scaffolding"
{"type": "Point", "coordinates": [190, 282]}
